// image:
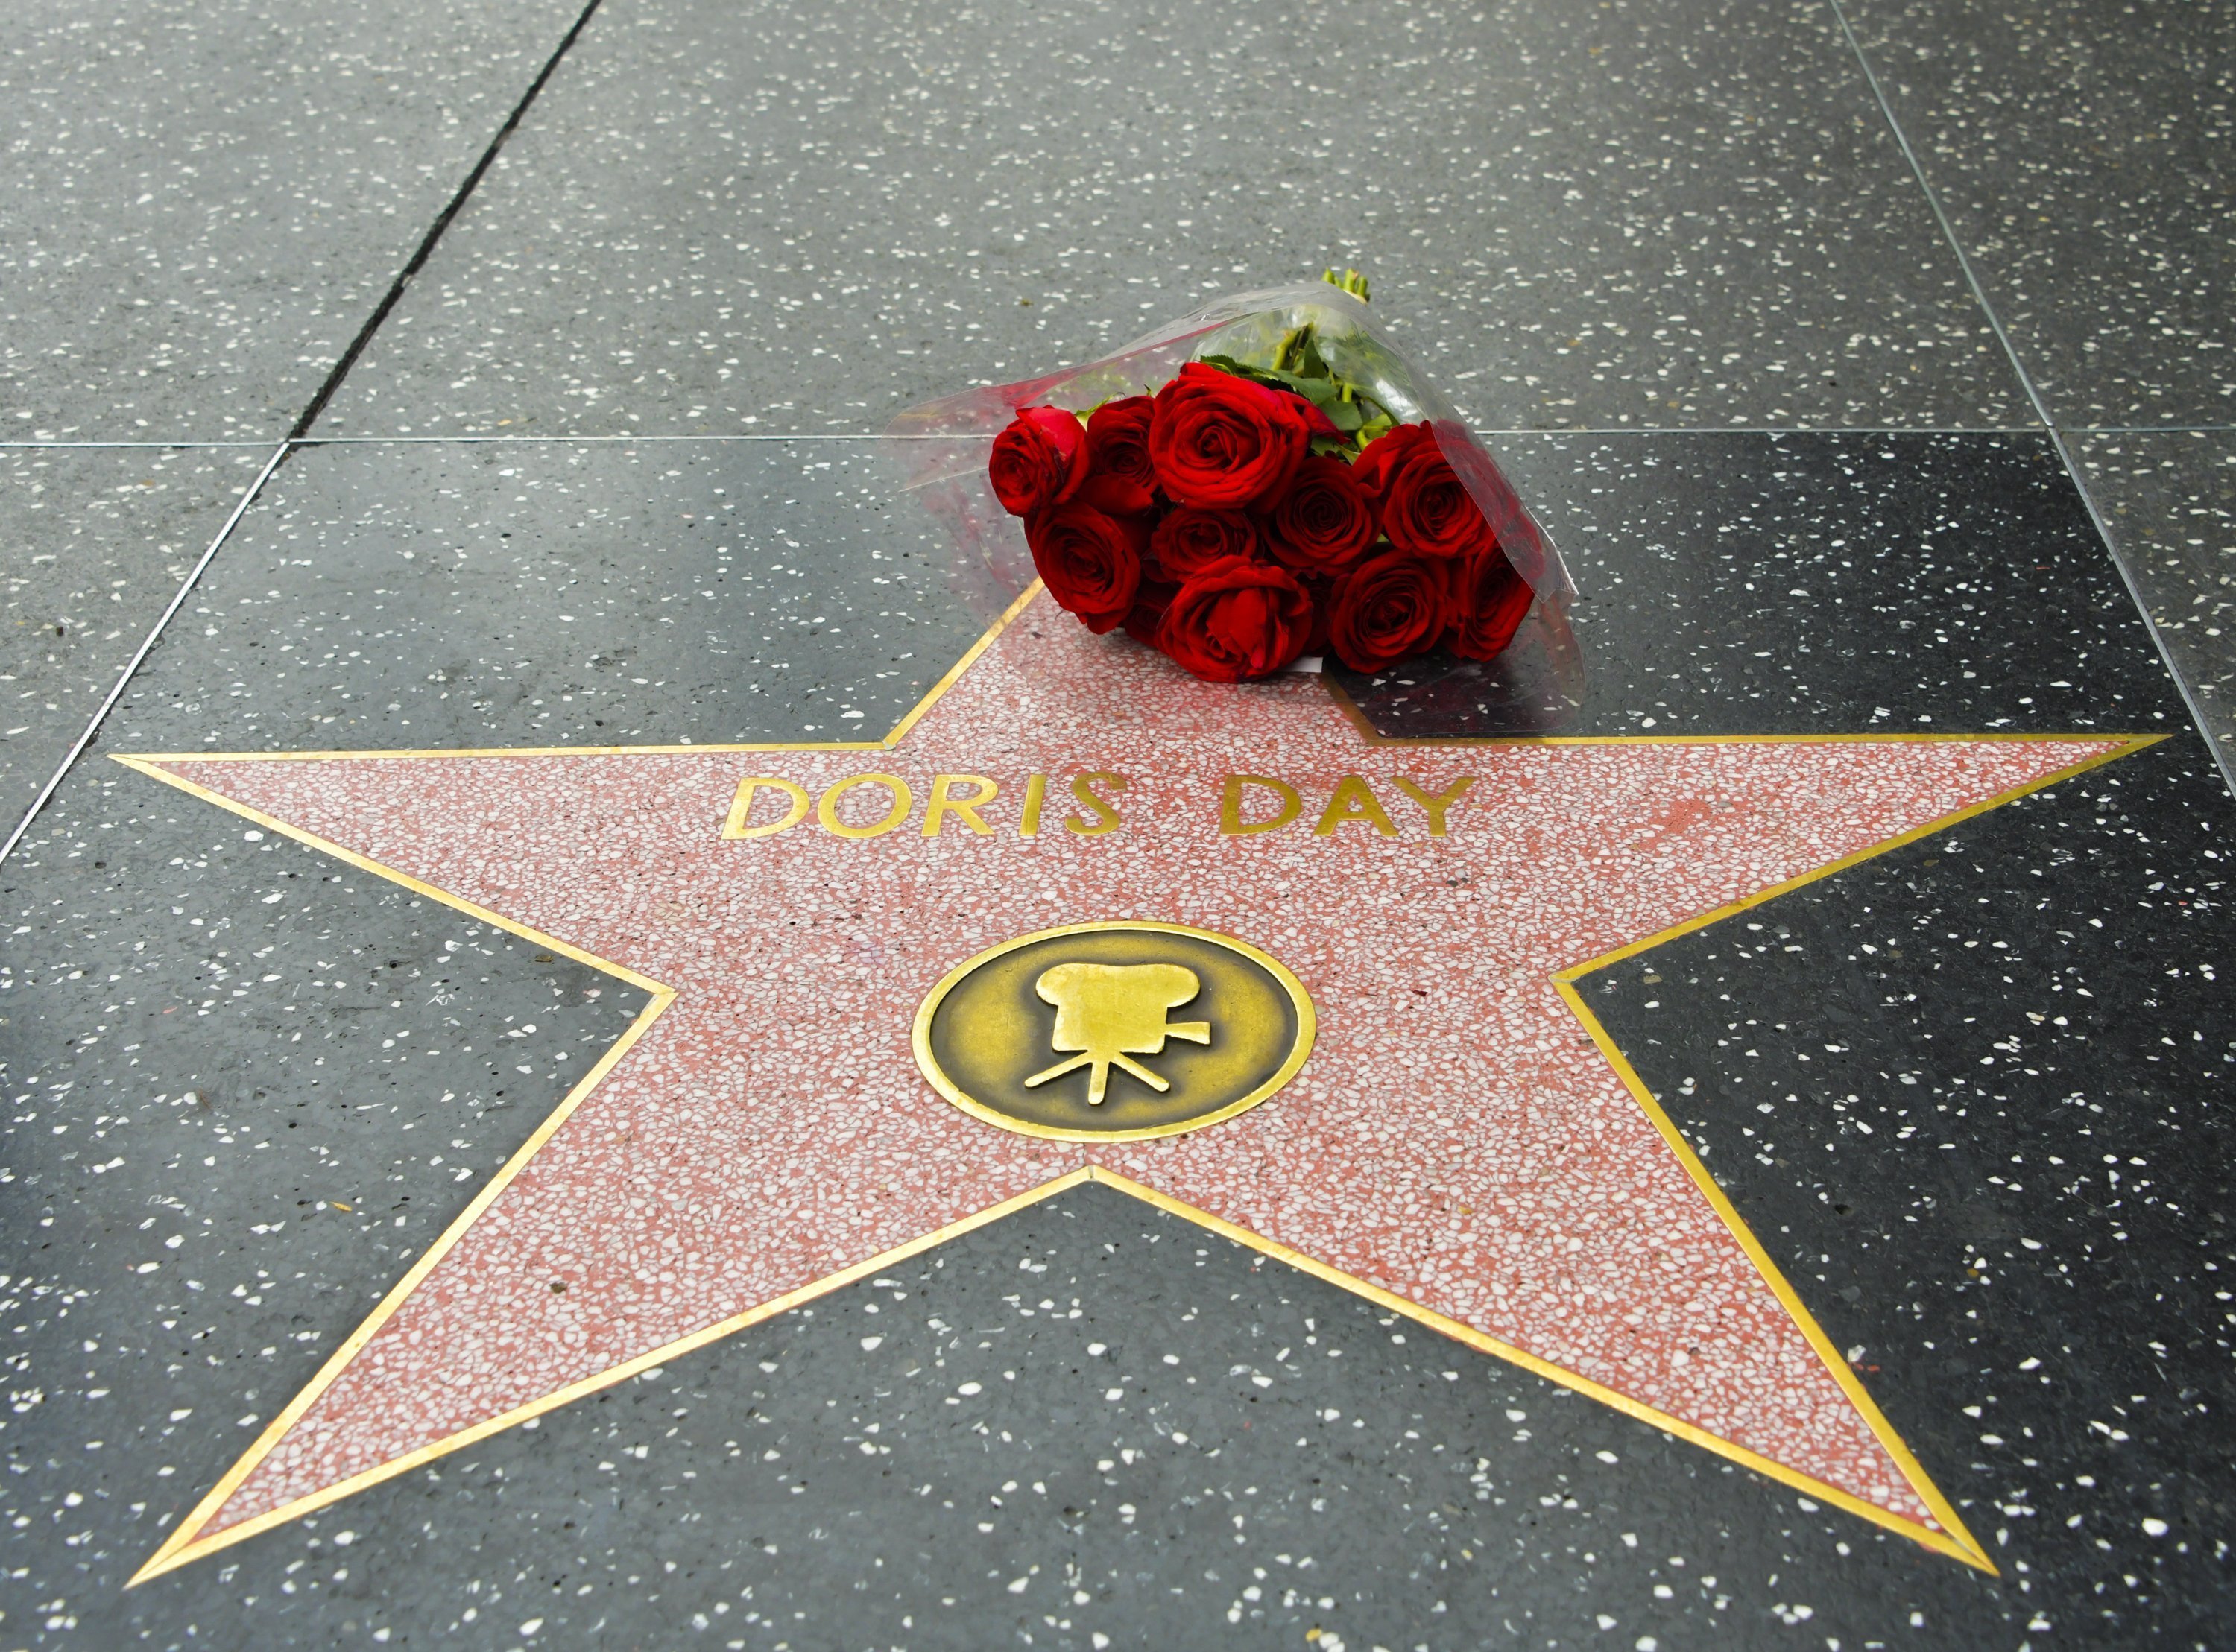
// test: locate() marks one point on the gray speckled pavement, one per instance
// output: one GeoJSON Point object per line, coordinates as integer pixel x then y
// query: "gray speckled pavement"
{"type": "Point", "coordinates": [98, 539]}
{"type": "Point", "coordinates": [793, 218]}
{"type": "Point", "coordinates": [202, 203]}
{"type": "Point", "coordinates": [2108, 254]}
{"type": "Point", "coordinates": [1779, 392]}
{"type": "Point", "coordinates": [2169, 503]}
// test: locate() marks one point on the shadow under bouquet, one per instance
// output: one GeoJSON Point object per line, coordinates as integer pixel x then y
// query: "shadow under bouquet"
{"type": "Point", "coordinates": [1259, 485]}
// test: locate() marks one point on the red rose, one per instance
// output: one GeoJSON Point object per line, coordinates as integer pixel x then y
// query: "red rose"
{"type": "Point", "coordinates": [1321, 593]}
{"type": "Point", "coordinates": [1236, 618]}
{"type": "Point", "coordinates": [1188, 541]}
{"type": "Point", "coordinates": [1038, 462]}
{"type": "Point", "coordinates": [1489, 602]}
{"type": "Point", "coordinates": [1326, 521]}
{"type": "Point", "coordinates": [1091, 562]}
{"type": "Point", "coordinates": [1388, 607]}
{"type": "Point", "coordinates": [1424, 509]}
{"type": "Point", "coordinates": [1225, 442]}
{"type": "Point", "coordinates": [1386, 454]}
{"type": "Point", "coordinates": [1121, 480]}
{"type": "Point", "coordinates": [1148, 613]}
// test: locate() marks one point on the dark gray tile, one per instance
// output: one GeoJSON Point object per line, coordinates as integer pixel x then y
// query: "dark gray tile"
{"type": "Point", "coordinates": [201, 203]}
{"type": "Point", "coordinates": [539, 593]}
{"type": "Point", "coordinates": [92, 543]}
{"type": "Point", "coordinates": [1281, 1457]}
{"type": "Point", "coordinates": [2082, 151]}
{"type": "Point", "coordinates": [1439, 1495]}
{"type": "Point", "coordinates": [247, 1087]}
{"type": "Point", "coordinates": [2170, 501]}
{"type": "Point", "coordinates": [781, 216]}
{"type": "Point", "coordinates": [1818, 583]}
{"type": "Point", "coordinates": [2046, 1159]}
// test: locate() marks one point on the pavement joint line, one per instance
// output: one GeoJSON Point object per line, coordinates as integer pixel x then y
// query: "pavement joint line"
{"type": "Point", "coordinates": [879, 436]}
{"type": "Point", "coordinates": [140, 654]}
{"type": "Point", "coordinates": [435, 231]}
{"type": "Point", "coordinates": [2149, 429]}
{"type": "Point", "coordinates": [303, 422]}
{"type": "Point", "coordinates": [2223, 756]}
{"type": "Point", "coordinates": [254, 444]}
{"type": "Point", "coordinates": [1481, 429]}
{"type": "Point", "coordinates": [299, 435]}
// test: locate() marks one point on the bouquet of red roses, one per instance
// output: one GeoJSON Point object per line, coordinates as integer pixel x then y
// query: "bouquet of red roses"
{"type": "Point", "coordinates": [1290, 489]}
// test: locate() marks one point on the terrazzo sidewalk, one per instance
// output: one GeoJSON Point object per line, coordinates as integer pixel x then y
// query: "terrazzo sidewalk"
{"type": "Point", "coordinates": [1757, 1177]}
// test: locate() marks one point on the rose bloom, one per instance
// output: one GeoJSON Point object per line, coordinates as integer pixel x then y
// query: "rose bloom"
{"type": "Point", "coordinates": [1150, 601]}
{"type": "Point", "coordinates": [1325, 521]}
{"type": "Point", "coordinates": [1190, 541]}
{"type": "Point", "coordinates": [1121, 480]}
{"type": "Point", "coordinates": [1424, 509]}
{"type": "Point", "coordinates": [1090, 562]}
{"type": "Point", "coordinates": [1321, 593]}
{"type": "Point", "coordinates": [1234, 620]}
{"type": "Point", "coordinates": [1490, 600]}
{"type": "Point", "coordinates": [1038, 462]}
{"type": "Point", "coordinates": [1388, 607]}
{"type": "Point", "coordinates": [1226, 443]}
{"type": "Point", "coordinates": [1387, 454]}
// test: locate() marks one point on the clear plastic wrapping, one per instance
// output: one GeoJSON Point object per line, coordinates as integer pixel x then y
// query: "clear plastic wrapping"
{"type": "Point", "coordinates": [943, 447]}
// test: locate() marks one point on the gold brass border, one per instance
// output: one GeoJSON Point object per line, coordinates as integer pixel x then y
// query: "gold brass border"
{"type": "Point", "coordinates": [181, 1546]}
{"type": "Point", "coordinates": [1954, 1541]}
{"type": "Point", "coordinates": [1307, 1029]}
{"type": "Point", "coordinates": [184, 1544]}
{"type": "Point", "coordinates": [1960, 1543]}
{"type": "Point", "coordinates": [1951, 1541]}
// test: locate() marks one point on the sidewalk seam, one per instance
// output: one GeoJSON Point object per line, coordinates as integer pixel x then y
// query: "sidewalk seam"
{"type": "Point", "coordinates": [303, 422]}
{"type": "Point", "coordinates": [2224, 759]}
{"type": "Point", "coordinates": [147, 647]}
{"type": "Point", "coordinates": [435, 231]}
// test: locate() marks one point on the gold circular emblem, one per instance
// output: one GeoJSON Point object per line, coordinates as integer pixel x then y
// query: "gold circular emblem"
{"type": "Point", "coordinates": [1114, 1032]}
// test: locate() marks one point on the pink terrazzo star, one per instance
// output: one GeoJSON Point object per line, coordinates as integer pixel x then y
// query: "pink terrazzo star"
{"type": "Point", "coordinates": [1458, 1140]}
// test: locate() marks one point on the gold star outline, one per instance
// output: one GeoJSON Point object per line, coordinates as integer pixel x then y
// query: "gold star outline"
{"type": "Point", "coordinates": [186, 1544]}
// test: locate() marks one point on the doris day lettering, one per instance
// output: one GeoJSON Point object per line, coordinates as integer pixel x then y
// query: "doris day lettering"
{"type": "Point", "coordinates": [1086, 804]}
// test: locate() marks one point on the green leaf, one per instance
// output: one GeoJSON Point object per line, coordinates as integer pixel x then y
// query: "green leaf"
{"type": "Point", "coordinates": [1343, 402]}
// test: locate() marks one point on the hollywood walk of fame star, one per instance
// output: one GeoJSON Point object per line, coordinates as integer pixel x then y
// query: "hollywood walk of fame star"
{"type": "Point", "coordinates": [1464, 1145]}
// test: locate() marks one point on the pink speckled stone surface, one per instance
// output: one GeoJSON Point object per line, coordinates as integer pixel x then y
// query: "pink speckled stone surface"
{"type": "Point", "coordinates": [1455, 1137]}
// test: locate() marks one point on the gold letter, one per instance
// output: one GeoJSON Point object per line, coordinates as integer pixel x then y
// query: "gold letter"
{"type": "Point", "coordinates": [1035, 788]}
{"type": "Point", "coordinates": [1231, 824]}
{"type": "Point", "coordinates": [1353, 800]}
{"type": "Point", "coordinates": [1105, 817]}
{"type": "Point", "coordinates": [742, 808]}
{"type": "Point", "coordinates": [939, 805]}
{"type": "Point", "coordinates": [1435, 803]}
{"type": "Point", "coordinates": [827, 812]}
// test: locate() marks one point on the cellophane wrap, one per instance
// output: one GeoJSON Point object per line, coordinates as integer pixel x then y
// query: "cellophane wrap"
{"type": "Point", "coordinates": [942, 448]}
